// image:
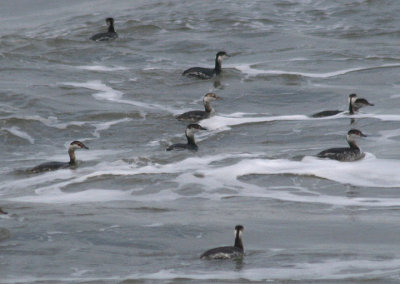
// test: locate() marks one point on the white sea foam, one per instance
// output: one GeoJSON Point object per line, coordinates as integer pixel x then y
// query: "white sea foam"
{"type": "Point", "coordinates": [54, 123]}
{"type": "Point", "coordinates": [101, 126]}
{"type": "Point", "coordinates": [52, 193]}
{"type": "Point", "coordinates": [383, 117]}
{"type": "Point", "coordinates": [369, 172]}
{"type": "Point", "coordinates": [109, 94]}
{"type": "Point", "coordinates": [218, 122]}
{"type": "Point", "coordinates": [332, 269]}
{"type": "Point", "coordinates": [101, 68]}
{"type": "Point", "coordinates": [328, 270]}
{"type": "Point", "coordinates": [105, 92]}
{"type": "Point", "coordinates": [224, 122]}
{"type": "Point", "coordinates": [153, 225]}
{"type": "Point", "coordinates": [50, 121]}
{"type": "Point", "coordinates": [16, 131]}
{"type": "Point", "coordinates": [250, 71]}
{"type": "Point", "coordinates": [86, 196]}
{"type": "Point", "coordinates": [56, 196]}
{"type": "Point", "coordinates": [36, 180]}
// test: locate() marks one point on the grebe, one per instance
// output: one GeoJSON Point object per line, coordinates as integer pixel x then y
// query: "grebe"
{"type": "Point", "coordinates": [2, 212]}
{"type": "Point", "coordinates": [236, 251]}
{"type": "Point", "coordinates": [196, 115]}
{"type": "Point", "coordinates": [110, 34]}
{"type": "Point", "coordinates": [354, 105]}
{"type": "Point", "coordinates": [207, 73]}
{"type": "Point", "coordinates": [51, 166]}
{"type": "Point", "coordinates": [352, 153]}
{"type": "Point", "coordinates": [191, 144]}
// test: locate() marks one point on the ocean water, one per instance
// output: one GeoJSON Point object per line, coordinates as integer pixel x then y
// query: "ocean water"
{"type": "Point", "coordinates": [132, 212]}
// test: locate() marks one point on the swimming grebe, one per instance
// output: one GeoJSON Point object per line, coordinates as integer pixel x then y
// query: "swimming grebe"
{"type": "Point", "coordinates": [352, 153]}
{"type": "Point", "coordinates": [236, 251]}
{"type": "Point", "coordinates": [110, 34]}
{"type": "Point", "coordinates": [2, 212]}
{"type": "Point", "coordinates": [196, 115]}
{"type": "Point", "coordinates": [191, 144]}
{"type": "Point", "coordinates": [354, 105]}
{"type": "Point", "coordinates": [51, 166]}
{"type": "Point", "coordinates": [207, 73]}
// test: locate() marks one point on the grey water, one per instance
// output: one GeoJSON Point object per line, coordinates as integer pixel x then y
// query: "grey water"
{"type": "Point", "coordinates": [132, 212]}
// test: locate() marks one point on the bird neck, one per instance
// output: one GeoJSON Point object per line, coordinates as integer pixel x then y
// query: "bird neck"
{"type": "Point", "coordinates": [207, 106]}
{"type": "Point", "coordinates": [238, 241]}
{"type": "Point", "coordinates": [190, 138]}
{"type": "Point", "coordinates": [217, 66]}
{"type": "Point", "coordinates": [71, 153]}
{"type": "Point", "coordinates": [353, 144]}
{"type": "Point", "coordinates": [111, 28]}
{"type": "Point", "coordinates": [351, 108]}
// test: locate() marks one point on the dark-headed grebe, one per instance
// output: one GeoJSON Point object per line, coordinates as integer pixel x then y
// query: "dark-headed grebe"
{"type": "Point", "coordinates": [191, 144]}
{"type": "Point", "coordinates": [354, 105]}
{"type": "Point", "coordinates": [236, 251]}
{"type": "Point", "coordinates": [2, 212]}
{"type": "Point", "coordinates": [348, 154]}
{"type": "Point", "coordinates": [207, 73]}
{"type": "Point", "coordinates": [110, 34]}
{"type": "Point", "coordinates": [196, 115]}
{"type": "Point", "coordinates": [51, 166]}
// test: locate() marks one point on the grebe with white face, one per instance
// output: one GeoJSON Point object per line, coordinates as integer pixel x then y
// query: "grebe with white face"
{"type": "Point", "coordinates": [207, 73]}
{"type": "Point", "coordinates": [355, 104]}
{"type": "Point", "coordinates": [191, 144]}
{"type": "Point", "coordinates": [196, 115]}
{"type": "Point", "coordinates": [110, 34]}
{"type": "Point", "coordinates": [235, 251]}
{"type": "Point", "coordinates": [347, 154]}
{"type": "Point", "coordinates": [51, 166]}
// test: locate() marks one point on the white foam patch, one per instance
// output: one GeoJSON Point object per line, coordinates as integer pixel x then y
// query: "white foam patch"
{"type": "Point", "coordinates": [329, 270]}
{"type": "Point", "coordinates": [86, 196]}
{"type": "Point", "coordinates": [16, 131]}
{"type": "Point", "coordinates": [109, 94]}
{"type": "Point", "coordinates": [154, 225]}
{"type": "Point", "coordinates": [332, 269]}
{"type": "Point", "coordinates": [54, 123]}
{"type": "Point", "coordinates": [208, 173]}
{"type": "Point", "coordinates": [105, 92]}
{"type": "Point", "coordinates": [383, 117]}
{"type": "Point", "coordinates": [56, 196]}
{"type": "Point", "coordinates": [51, 121]}
{"type": "Point", "coordinates": [36, 180]}
{"type": "Point", "coordinates": [106, 125]}
{"type": "Point", "coordinates": [101, 68]}
{"type": "Point", "coordinates": [250, 71]}
{"type": "Point", "coordinates": [224, 122]}
{"type": "Point", "coordinates": [369, 172]}
{"type": "Point", "coordinates": [50, 193]}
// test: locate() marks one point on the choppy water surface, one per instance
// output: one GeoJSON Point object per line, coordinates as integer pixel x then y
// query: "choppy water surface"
{"type": "Point", "coordinates": [132, 212]}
